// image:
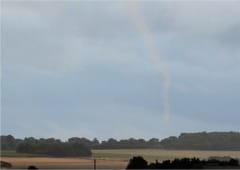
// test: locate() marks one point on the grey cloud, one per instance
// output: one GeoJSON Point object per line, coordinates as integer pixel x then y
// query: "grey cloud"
{"type": "Point", "coordinates": [50, 39]}
{"type": "Point", "coordinates": [63, 37]}
{"type": "Point", "coordinates": [111, 23]}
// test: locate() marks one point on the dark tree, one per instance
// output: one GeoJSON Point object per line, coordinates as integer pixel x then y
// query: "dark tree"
{"type": "Point", "coordinates": [137, 163]}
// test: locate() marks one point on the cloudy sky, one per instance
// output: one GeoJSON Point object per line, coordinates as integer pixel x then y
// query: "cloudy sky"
{"type": "Point", "coordinates": [86, 68]}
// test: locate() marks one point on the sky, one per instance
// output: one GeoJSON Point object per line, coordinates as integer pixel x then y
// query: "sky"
{"type": "Point", "coordinates": [119, 69]}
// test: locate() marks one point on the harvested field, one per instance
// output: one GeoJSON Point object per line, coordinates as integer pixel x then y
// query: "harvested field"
{"type": "Point", "coordinates": [63, 163]}
{"type": "Point", "coordinates": [114, 158]}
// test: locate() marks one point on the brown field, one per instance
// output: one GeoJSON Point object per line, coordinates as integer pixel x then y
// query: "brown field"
{"type": "Point", "coordinates": [63, 163]}
{"type": "Point", "coordinates": [116, 159]}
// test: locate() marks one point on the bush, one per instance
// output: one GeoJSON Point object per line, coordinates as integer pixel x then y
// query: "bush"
{"type": "Point", "coordinates": [137, 163]}
{"type": "Point", "coordinates": [32, 167]}
{"type": "Point", "coordinates": [4, 164]}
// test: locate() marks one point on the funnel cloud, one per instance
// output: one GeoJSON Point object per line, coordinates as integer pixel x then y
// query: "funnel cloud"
{"type": "Point", "coordinates": [154, 55]}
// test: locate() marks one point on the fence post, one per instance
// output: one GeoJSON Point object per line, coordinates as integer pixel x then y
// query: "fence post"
{"type": "Point", "coordinates": [94, 164]}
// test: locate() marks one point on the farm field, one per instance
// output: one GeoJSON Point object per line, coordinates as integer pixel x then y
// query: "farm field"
{"type": "Point", "coordinates": [159, 154]}
{"type": "Point", "coordinates": [117, 158]}
{"type": "Point", "coordinates": [63, 163]}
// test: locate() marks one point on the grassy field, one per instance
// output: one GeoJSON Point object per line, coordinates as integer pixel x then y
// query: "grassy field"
{"type": "Point", "coordinates": [117, 158]}
{"type": "Point", "coordinates": [15, 154]}
{"type": "Point", "coordinates": [153, 154]}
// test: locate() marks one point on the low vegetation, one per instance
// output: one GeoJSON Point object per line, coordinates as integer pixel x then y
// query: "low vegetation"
{"type": "Point", "coordinates": [184, 163]}
{"type": "Point", "coordinates": [4, 164]}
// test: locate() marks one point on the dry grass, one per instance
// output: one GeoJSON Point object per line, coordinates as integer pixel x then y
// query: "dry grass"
{"type": "Point", "coordinates": [115, 159]}
{"type": "Point", "coordinates": [153, 154]}
{"type": "Point", "coordinates": [62, 163]}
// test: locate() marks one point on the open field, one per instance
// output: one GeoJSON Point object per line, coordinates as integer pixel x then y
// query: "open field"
{"type": "Point", "coordinates": [153, 154]}
{"type": "Point", "coordinates": [117, 158]}
{"type": "Point", "coordinates": [63, 163]}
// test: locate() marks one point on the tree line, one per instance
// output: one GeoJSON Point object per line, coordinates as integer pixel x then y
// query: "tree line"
{"type": "Point", "coordinates": [204, 141]}
{"type": "Point", "coordinates": [76, 146]}
{"type": "Point", "coordinates": [46, 147]}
